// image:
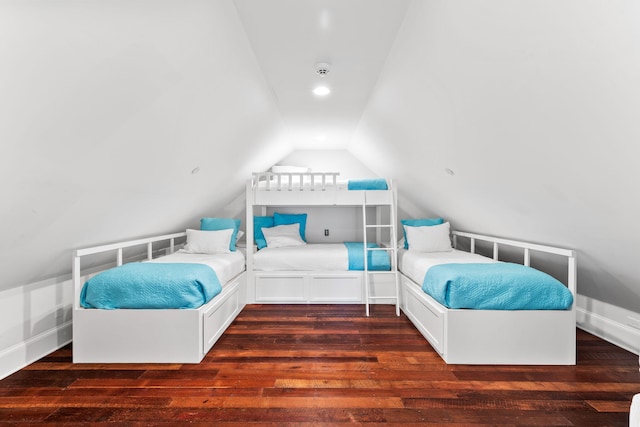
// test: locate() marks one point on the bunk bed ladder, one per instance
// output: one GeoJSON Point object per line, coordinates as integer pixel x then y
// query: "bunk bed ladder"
{"type": "Point", "coordinates": [391, 249]}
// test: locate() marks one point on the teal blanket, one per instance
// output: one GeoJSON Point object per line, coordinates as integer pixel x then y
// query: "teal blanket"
{"type": "Point", "coordinates": [495, 286]}
{"type": "Point", "coordinates": [367, 184]}
{"type": "Point", "coordinates": [376, 260]}
{"type": "Point", "coordinates": [151, 285]}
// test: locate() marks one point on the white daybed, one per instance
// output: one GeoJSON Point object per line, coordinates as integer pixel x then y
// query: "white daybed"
{"type": "Point", "coordinates": [155, 335]}
{"type": "Point", "coordinates": [468, 336]}
{"type": "Point", "coordinates": [268, 282]}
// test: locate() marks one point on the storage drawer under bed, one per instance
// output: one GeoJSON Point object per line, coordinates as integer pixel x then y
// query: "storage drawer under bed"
{"type": "Point", "coordinates": [314, 287]}
{"type": "Point", "coordinates": [427, 316]}
{"type": "Point", "coordinates": [219, 316]}
{"type": "Point", "coordinates": [309, 287]}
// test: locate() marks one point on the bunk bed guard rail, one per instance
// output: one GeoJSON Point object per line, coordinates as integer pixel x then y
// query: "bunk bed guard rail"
{"type": "Point", "coordinates": [293, 181]}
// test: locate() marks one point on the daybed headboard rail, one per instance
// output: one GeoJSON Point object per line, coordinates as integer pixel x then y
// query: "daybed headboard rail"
{"type": "Point", "coordinates": [118, 247]}
{"type": "Point", "coordinates": [570, 254]}
{"type": "Point", "coordinates": [290, 181]}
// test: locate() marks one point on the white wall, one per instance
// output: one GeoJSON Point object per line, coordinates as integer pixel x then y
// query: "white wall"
{"type": "Point", "coordinates": [341, 161]}
{"type": "Point", "coordinates": [534, 105]}
{"type": "Point", "coordinates": [107, 107]}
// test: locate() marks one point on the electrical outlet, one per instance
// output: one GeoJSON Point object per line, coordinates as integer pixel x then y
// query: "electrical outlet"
{"type": "Point", "coordinates": [326, 232]}
{"type": "Point", "coordinates": [633, 322]}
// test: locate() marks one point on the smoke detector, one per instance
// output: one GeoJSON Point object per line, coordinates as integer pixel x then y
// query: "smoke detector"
{"type": "Point", "coordinates": [322, 69]}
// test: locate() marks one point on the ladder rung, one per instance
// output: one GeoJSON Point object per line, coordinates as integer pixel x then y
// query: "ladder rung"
{"type": "Point", "coordinates": [378, 225]}
{"type": "Point", "coordinates": [380, 249]}
{"type": "Point", "coordinates": [389, 297]}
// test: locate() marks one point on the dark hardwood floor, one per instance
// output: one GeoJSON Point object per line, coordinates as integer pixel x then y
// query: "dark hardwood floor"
{"type": "Point", "coordinates": [325, 365]}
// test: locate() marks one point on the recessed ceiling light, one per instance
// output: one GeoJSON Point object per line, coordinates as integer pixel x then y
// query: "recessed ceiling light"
{"type": "Point", "coordinates": [321, 138]}
{"type": "Point", "coordinates": [322, 91]}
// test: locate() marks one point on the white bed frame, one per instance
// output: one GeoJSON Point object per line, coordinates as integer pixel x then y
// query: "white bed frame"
{"type": "Point", "coordinates": [320, 287]}
{"type": "Point", "coordinates": [519, 337]}
{"type": "Point", "coordinates": [150, 336]}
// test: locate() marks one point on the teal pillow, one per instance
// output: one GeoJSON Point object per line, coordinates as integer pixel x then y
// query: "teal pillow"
{"type": "Point", "coordinates": [260, 222]}
{"type": "Point", "coordinates": [214, 224]}
{"type": "Point", "coordinates": [418, 223]}
{"type": "Point", "coordinates": [286, 219]}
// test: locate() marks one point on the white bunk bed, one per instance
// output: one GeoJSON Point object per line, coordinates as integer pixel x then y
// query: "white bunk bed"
{"type": "Point", "coordinates": [519, 337]}
{"type": "Point", "coordinates": [337, 286]}
{"type": "Point", "coordinates": [152, 335]}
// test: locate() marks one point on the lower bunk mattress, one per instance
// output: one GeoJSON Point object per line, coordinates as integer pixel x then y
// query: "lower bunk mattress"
{"type": "Point", "coordinates": [179, 280]}
{"type": "Point", "coordinates": [348, 256]}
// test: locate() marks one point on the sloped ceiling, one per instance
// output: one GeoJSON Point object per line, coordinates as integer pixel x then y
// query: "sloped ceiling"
{"type": "Point", "coordinates": [120, 117]}
{"type": "Point", "coordinates": [289, 37]}
{"type": "Point", "coordinates": [519, 119]}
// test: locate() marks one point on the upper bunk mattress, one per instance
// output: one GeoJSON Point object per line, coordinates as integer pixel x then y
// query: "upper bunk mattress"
{"type": "Point", "coordinates": [320, 257]}
{"type": "Point", "coordinates": [460, 280]}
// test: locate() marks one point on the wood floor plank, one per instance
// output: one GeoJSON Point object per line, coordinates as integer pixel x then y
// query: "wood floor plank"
{"type": "Point", "coordinates": [324, 365]}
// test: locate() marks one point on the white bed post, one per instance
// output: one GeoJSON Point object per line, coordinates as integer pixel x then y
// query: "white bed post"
{"type": "Point", "coordinates": [572, 278]}
{"type": "Point", "coordinates": [250, 291]}
{"type": "Point", "coordinates": [366, 264]}
{"type": "Point", "coordinates": [394, 243]}
{"type": "Point", "coordinates": [76, 280]}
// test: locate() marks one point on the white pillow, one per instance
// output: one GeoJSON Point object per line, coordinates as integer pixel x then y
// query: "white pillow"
{"type": "Point", "coordinates": [283, 235]}
{"type": "Point", "coordinates": [208, 242]}
{"type": "Point", "coordinates": [432, 238]}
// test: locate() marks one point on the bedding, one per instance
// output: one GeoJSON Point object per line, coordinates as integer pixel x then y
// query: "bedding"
{"type": "Point", "coordinates": [320, 256]}
{"type": "Point", "coordinates": [217, 224]}
{"type": "Point", "coordinates": [260, 222]}
{"type": "Point", "coordinates": [208, 242]}
{"type": "Point", "coordinates": [287, 219]}
{"type": "Point", "coordinates": [435, 238]}
{"type": "Point", "coordinates": [376, 260]}
{"type": "Point", "coordinates": [368, 184]}
{"type": "Point", "coordinates": [418, 222]}
{"type": "Point", "coordinates": [179, 280]}
{"type": "Point", "coordinates": [495, 286]}
{"type": "Point", "coordinates": [151, 286]}
{"type": "Point", "coordinates": [283, 235]}
{"type": "Point", "coordinates": [458, 279]}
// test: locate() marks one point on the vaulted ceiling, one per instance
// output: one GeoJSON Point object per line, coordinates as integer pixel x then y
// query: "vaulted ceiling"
{"type": "Point", "coordinates": [352, 38]}
{"type": "Point", "coordinates": [128, 118]}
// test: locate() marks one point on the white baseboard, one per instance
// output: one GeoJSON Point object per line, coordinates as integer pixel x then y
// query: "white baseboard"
{"type": "Point", "coordinates": [20, 355]}
{"type": "Point", "coordinates": [609, 322]}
